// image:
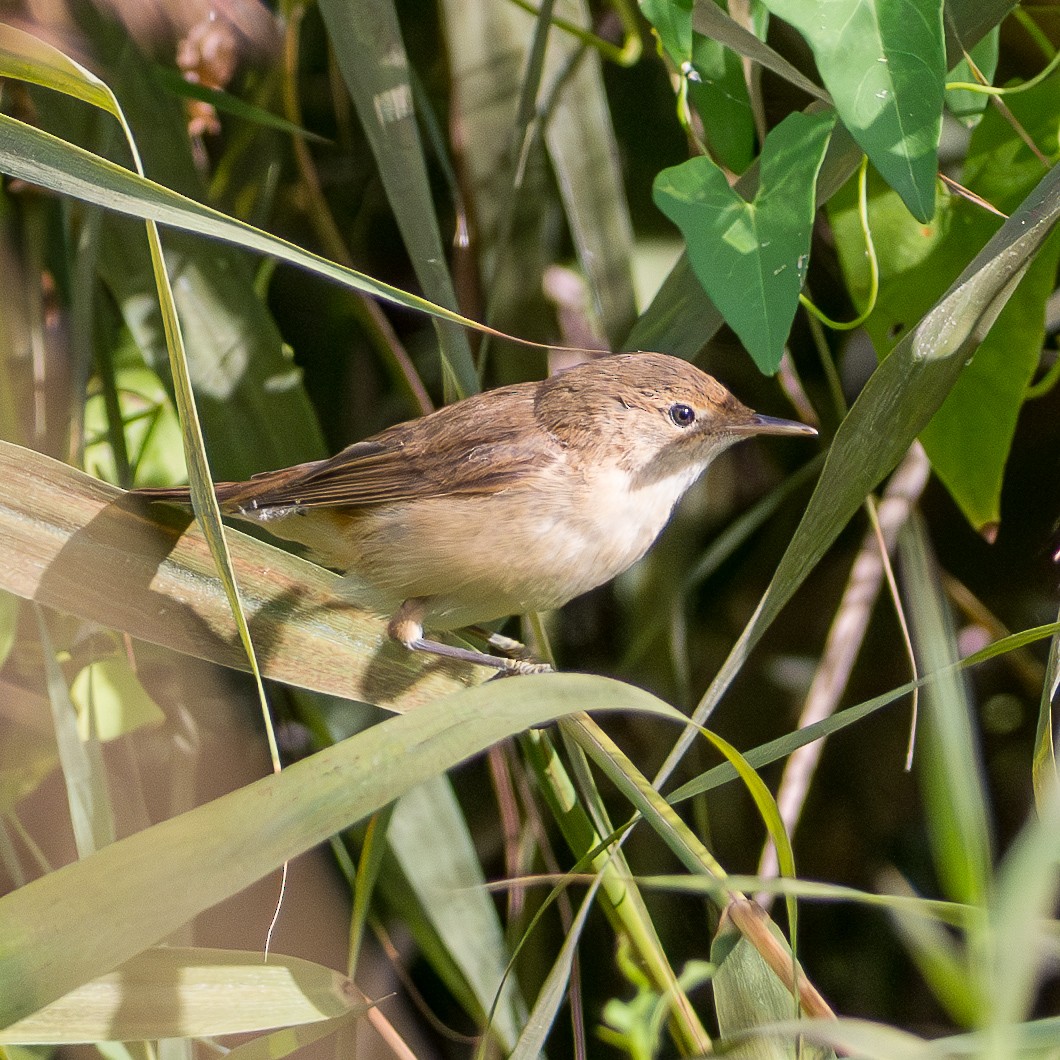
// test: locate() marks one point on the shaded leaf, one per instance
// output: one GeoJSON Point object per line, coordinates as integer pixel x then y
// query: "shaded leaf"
{"type": "Point", "coordinates": [969, 106]}
{"type": "Point", "coordinates": [430, 839]}
{"type": "Point", "coordinates": [893, 407]}
{"type": "Point", "coordinates": [51, 927]}
{"type": "Point", "coordinates": [43, 159]}
{"type": "Point", "coordinates": [969, 438]}
{"type": "Point", "coordinates": [110, 700]}
{"type": "Point", "coordinates": [672, 21]}
{"type": "Point", "coordinates": [949, 759]}
{"type": "Point", "coordinates": [532, 1038]}
{"type": "Point", "coordinates": [709, 19]}
{"type": "Point", "coordinates": [681, 318]}
{"type": "Point", "coordinates": [370, 52]}
{"type": "Point", "coordinates": [748, 995]}
{"type": "Point", "coordinates": [585, 158]}
{"type": "Point", "coordinates": [1021, 939]}
{"type": "Point", "coordinates": [720, 95]}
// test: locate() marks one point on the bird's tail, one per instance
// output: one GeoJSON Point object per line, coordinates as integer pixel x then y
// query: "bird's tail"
{"type": "Point", "coordinates": [224, 491]}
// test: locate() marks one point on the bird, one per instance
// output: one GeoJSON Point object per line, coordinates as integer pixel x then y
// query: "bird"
{"type": "Point", "coordinates": [513, 500]}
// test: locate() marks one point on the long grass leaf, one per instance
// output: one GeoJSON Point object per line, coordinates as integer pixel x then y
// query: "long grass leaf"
{"type": "Point", "coordinates": [153, 577]}
{"type": "Point", "coordinates": [85, 919]}
{"type": "Point", "coordinates": [40, 158]}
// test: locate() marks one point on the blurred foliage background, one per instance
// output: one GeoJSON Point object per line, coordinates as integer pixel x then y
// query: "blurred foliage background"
{"type": "Point", "coordinates": [505, 163]}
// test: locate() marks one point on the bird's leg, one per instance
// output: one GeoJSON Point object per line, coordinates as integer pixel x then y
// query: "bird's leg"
{"type": "Point", "coordinates": [407, 627]}
{"type": "Point", "coordinates": [507, 646]}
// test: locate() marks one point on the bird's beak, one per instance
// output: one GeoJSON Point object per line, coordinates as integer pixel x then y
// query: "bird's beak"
{"type": "Point", "coordinates": [759, 424]}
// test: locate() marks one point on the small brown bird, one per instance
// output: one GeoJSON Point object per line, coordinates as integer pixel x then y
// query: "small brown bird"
{"type": "Point", "coordinates": [514, 500]}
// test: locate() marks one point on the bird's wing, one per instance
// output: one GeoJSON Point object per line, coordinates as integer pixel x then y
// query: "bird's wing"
{"type": "Point", "coordinates": [456, 451]}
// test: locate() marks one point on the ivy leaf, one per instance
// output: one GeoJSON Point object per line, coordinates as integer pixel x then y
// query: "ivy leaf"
{"type": "Point", "coordinates": [884, 62]}
{"type": "Point", "coordinates": [720, 96]}
{"type": "Point", "coordinates": [751, 257]}
{"type": "Point", "coordinates": [672, 21]}
{"type": "Point", "coordinates": [969, 438]}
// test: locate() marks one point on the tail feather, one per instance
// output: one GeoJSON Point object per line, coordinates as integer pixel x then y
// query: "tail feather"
{"type": "Point", "coordinates": [224, 491]}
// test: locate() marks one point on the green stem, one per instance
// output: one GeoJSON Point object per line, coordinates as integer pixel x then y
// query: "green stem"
{"type": "Point", "coordinates": [621, 899]}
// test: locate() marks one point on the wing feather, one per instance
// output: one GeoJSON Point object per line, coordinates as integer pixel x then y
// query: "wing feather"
{"type": "Point", "coordinates": [458, 450]}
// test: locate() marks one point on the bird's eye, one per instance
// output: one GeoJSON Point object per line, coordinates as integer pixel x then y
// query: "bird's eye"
{"type": "Point", "coordinates": [683, 415]}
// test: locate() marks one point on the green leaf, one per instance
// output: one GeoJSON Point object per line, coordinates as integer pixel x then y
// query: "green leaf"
{"type": "Point", "coordinates": [949, 759]}
{"type": "Point", "coordinates": [751, 257]}
{"type": "Point", "coordinates": [968, 440]}
{"type": "Point", "coordinates": [774, 750]}
{"type": "Point", "coordinates": [91, 812]}
{"type": "Point", "coordinates": [884, 62]}
{"type": "Point", "coordinates": [1021, 943]}
{"type": "Point", "coordinates": [111, 701]}
{"type": "Point", "coordinates": [892, 409]}
{"type": "Point", "coordinates": [370, 53]}
{"type": "Point", "coordinates": [553, 991]}
{"type": "Point", "coordinates": [672, 21]}
{"type": "Point", "coordinates": [50, 937]}
{"type": "Point", "coordinates": [430, 839]}
{"type": "Point", "coordinates": [26, 58]}
{"type": "Point", "coordinates": [27, 751]}
{"type": "Point", "coordinates": [278, 1044]}
{"type": "Point", "coordinates": [969, 106]}
{"type": "Point", "coordinates": [43, 159]}
{"type": "Point", "coordinates": [8, 624]}
{"type": "Point", "coordinates": [153, 577]}
{"type": "Point", "coordinates": [254, 409]}
{"type": "Point", "coordinates": [860, 1038]}
{"type": "Point", "coordinates": [227, 103]}
{"type": "Point", "coordinates": [941, 958]}
{"type": "Point", "coordinates": [719, 93]}
{"type": "Point", "coordinates": [584, 154]}
{"type": "Point", "coordinates": [149, 423]}
{"type": "Point", "coordinates": [748, 995]}
{"type": "Point", "coordinates": [681, 318]}
{"type": "Point", "coordinates": [1044, 770]}
{"type": "Point", "coordinates": [172, 992]}
{"type": "Point", "coordinates": [711, 20]}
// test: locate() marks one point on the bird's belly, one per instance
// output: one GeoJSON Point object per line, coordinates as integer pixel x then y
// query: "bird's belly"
{"type": "Point", "coordinates": [477, 558]}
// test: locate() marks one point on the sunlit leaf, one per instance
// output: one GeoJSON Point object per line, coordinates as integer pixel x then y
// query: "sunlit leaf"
{"type": "Point", "coordinates": [893, 408]}
{"type": "Point", "coordinates": [50, 927]}
{"type": "Point", "coordinates": [152, 577]}
{"type": "Point", "coordinates": [884, 64]}
{"type": "Point", "coordinates": [968, 440]}
{"type": "Point", "coordinates": [172, 992]}
{"type": "Point", "coordinates": [111, 701]}
{"type": "Point", "coordinates": [752, 256]}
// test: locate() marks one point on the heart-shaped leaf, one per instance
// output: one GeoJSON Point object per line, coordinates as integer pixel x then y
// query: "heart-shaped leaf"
{"type": "Point", "coordinates": [751, 256]}
{"type": "Point", "coordinates": [884, 63]}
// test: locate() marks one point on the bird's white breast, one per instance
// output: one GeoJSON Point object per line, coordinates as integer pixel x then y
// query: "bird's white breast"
{"type": "Point", "coordinates": [522, 549]}
{"type": "Point", "coordinates": [617, 519]}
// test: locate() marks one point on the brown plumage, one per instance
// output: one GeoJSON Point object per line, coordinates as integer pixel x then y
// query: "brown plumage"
{"type": "Point", "coordinates": [513, 500]}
